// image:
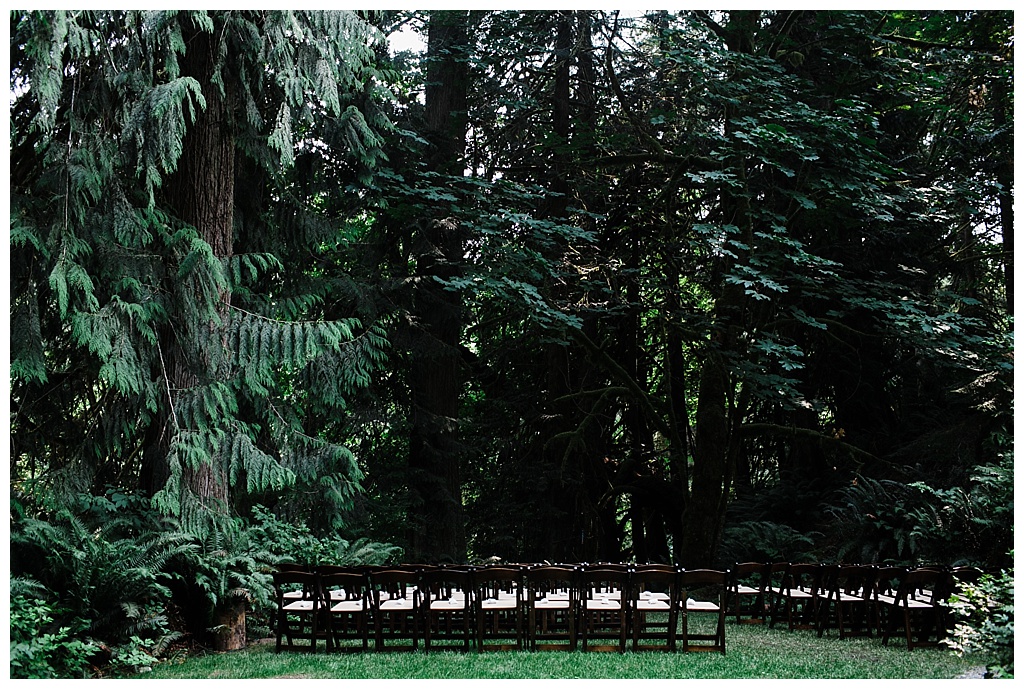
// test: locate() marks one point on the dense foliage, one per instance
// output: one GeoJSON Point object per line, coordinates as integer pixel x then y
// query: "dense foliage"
{"type": "Point", "coordinates": [985, 623]}
{"type": "Point", "coordinates": [562, 285]}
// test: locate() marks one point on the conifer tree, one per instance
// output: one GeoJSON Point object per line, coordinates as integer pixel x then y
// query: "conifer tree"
{"type": "Point", "coordinates": [174, 310]}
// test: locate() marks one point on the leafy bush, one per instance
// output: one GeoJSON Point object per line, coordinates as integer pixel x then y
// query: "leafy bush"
{"type": "Point", "coordinates": [296, 543]}
{"type": "Point", "coordinates": [889, 521]}
{"type": "Point", "coordinates": [984, 626]}
{"type": "Point", "coordinates": [40, 649]}
{"type": "Point", "coordinates": [99, 574]}
{"type": "Point", "coordinates": [98, 565]}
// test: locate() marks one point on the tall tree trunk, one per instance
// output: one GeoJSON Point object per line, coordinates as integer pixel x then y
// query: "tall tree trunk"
{"type": "Point", "coordinates": [201, 194]}
{"type": "Point", "coordinates": [713, 452]}
{"type": "Point", "coordinates": [437, 529]}
{"type": "Point", "coordinates": [1004, 175]}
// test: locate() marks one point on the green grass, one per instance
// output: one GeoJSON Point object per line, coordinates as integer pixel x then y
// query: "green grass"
{"type": "Point", "coordinates": [753, 652]}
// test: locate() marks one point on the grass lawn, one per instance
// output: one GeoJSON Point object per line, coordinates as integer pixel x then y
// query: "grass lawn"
{"type": "Point", "coordinates": [753, 652]}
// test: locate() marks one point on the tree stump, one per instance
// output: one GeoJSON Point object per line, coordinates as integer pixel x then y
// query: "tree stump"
{"type": "Point", "coordinates": [229, 629]}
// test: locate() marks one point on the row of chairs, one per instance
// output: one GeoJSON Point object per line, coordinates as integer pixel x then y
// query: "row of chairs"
{"type": "Point", "coordinates": [540, 607]}
{"type": "Point", "coordinates": [855, 600]}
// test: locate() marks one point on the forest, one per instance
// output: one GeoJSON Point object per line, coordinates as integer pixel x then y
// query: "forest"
{"type": "Point", "coordinates": [694, 287]}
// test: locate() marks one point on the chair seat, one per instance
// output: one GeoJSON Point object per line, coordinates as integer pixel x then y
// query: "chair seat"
{"type": "Point", "coordinates": [349, 606]}
{"type": "Point", "coordinates": [745, 590]}
{"type": "Point", "coordinates": [551, 604]}
{"type": "Point", "coordinates": [396, 604]}
{"type": "Point", "coordinates": [652, 605]}
{"type": "Point", "coordinates": [291, 595]}
{"type": "Point", "coordinates": [499, 603]}
{"type": "Point", "coordinates": [701, 606]}
{"type": "Point", "coordinates": [603, 604]}
{"type": "Point", "coordinates": [915, 604]}
{"type": "Point", "coordinates": [447, 604]}
{"type": "Point", "coordinates": [798, 593]}
{"type": "Point", "coordinates": [889, 600]}
{"type": "Point", "coordinates": [299, 606]}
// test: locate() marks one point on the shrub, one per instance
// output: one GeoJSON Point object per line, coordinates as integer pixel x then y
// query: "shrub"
{"type": "Point", "coordinates": [296, 543]}
{"type": "Point", "coordinates": [40, 649]}
{"type": "Point", "coordinates": [984, 626]}
{"type": "Point", "coordinates": [101, 575]}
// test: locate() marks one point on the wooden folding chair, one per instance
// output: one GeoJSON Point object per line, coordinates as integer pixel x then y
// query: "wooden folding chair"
{"type": "Point", "coordinates": [446, 601]}
{"type": "Point", "coordinates": [299, 607]}
{"type": "Point", "coordinates": [915, 609]}
{"type": "Point", "coordinates": [347, 607]}
{"type": "Point", "coordinates": [551, 608]}
{"type": "Point", "coordinates": [654, 601]}
{"type": "Point", "coordinates": [703, 594]}
{"type": "Point", "coordinates": [394, 603]}
{"type": "Point", "coordinates": [498, 596]}
{"type": "Point", "coordinates": [797, 597]}
{"type": "Point", "coordinates": [603, 608]}
{"type": "Point", "coordinates": [747, 585]}
{"type": "Point", "coordinates": [849, 604]}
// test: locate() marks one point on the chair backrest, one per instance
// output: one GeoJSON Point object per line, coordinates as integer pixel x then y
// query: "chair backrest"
{"type": "Point", "coordinates": [654, 581]}
{"type": "Point", "coordinates": [888, 578]}
{"type": "Point", "coordinates": [594, 582]}
{"type": "Point", "coordinates": [351, 585]}
{"type": "Point", "coordinates": [855, 580]}
{"type": "Point", "coordinates": [546, 579]}
{"type": "Point", "coordinates": [617, 566]}
{"type": "Point", "coordinates": [291, 567]}
{"type": "Point", "coordinates": [445, 582]}
{"type": "Point", "coordinates": [959, 576]}
{"type": "Point", "coordinates": [922, 583]}
{"type": "Point", "coordinates": [488, 582]}
{"type": "Point", "coordinates": [753, 574]}
{"type": "Point", "coordinates": [396, 583]}
{"type": "Point", "coordinates": [711, 580]}
{"type": "Point", "coordinates": [802, 576]}
{"type": "Point", "coordinates": [307, 582]}
{"type": "Point", "coordinates": [655, 567]}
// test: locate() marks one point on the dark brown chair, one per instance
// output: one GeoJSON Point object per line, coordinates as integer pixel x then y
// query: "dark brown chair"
{"type": "Point", "coordinates": [654, 601]}
{"type": "Point", "coordinates": [447, 605]}
{"type": "Point", "coordinates": [347, 605]}
{"type": "Point", "coordinates": [703, 594]}
{"type": "Point", "coordinates": [499, 600]}
{"type": "Point", "coordinates": [887, 583]}
{"type": "Point", "coordinates": [603, 608]}
{"type": "Point", "coordinates": [915, 609]}
{"type": "Point", "coordinates": [299, 607]}
{"type": "Point", "coordinates": [797, 597]}
{"type": "Point", "coordinates": [747, 591]}
{"type": "Point", "coordinates": [551, 608]}
{"type": "Point", "coordinates": [394, 603]}
{"type": "Point", "coordinates": [849, 603]}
